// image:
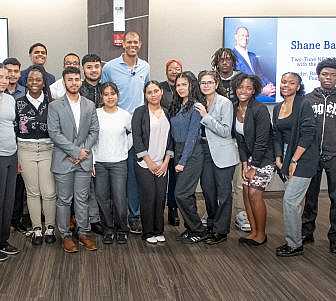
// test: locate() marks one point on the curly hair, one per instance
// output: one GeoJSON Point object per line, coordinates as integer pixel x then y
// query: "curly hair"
{"type": "Point", "coordinates": [330, 62]}
{"type": "Point", "coordinates": [216, 77]}
{"type": "Point", "coordinates": [257, 85]}
{"type": "Point", "coordinates": [194, 94]}
{"type": "Point", "coordinates": [219, 53]}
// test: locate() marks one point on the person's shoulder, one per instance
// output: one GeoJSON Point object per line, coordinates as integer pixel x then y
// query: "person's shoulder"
{"type": "Point", "coordinates": [9, 98]}
{"type": "Point", "coordinates": [140, 110]}
{"type": "Point", "coordinates": [124, 112]}
{"type": "Point", "coordinates": [222, 99]}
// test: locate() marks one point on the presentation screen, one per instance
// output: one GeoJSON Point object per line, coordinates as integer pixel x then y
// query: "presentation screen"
{"type": "Point", "coordinates": [271, 46]}
{"type": "Point", "coordinates": [3, 39]}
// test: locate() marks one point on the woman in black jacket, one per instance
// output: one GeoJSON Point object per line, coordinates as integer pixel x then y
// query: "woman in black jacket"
{"type": "Point", "coordinates": [154, 148]}
{"type": "Point", "coordinates": [253, 130]}
{"type": "Point", "coordinates": [296, 150]}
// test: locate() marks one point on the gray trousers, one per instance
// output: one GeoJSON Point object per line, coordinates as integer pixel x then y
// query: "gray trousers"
{"type": "Point", "coordinates": [73, 185]}
{"type": "Point", "coordinates": [94, 214]}
{"type": "Point", "coordinates": [293, 201]}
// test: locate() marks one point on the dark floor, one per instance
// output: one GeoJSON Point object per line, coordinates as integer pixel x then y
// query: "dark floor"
{"type": "Point", "coordinates": [175, 271]}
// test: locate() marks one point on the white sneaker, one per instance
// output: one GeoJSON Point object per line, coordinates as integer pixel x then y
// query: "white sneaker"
{"type": "Point", "coordinates": [152, 240]}
{"type": "Point", "coordinates": [160, 238]}
{"type": "Point", "coordinates": [242, 223]}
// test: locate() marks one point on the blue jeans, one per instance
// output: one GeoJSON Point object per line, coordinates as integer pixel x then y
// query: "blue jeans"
{"type": "Point", "coordinates": [132, 188]}
{"type": "Point", "coordinates": [111, 178]}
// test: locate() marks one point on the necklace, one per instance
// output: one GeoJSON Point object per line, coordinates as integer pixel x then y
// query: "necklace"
{"type": "Point", "coordinates": [242, 111]}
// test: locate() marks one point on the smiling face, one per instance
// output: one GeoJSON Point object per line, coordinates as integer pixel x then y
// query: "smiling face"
{"type": "Point", "coordinates": [14, 73]}
{"type": "Point", "coordinates": [110, 98]}
{"type": "Point", "coordinates": [132, 44]}
{"type": "Point", "coordinates": [327, 78]}
{"type": "Point", "coordinates": [289, 85]}
{"type": "Point", "coordinates": [153, 94]}
{"type": "Point", "coordinates": [35, 83]}
{"type": "Point", "coordinates": [208, 85]}
{"type": "Point", "coordinates": [245, 90]}
{"type": "Point", "coordinates": [4, 79]}
{"type": "Point", "coordinates": [92, 71]}
{"type": "Point", "coordinates": [39, 55]}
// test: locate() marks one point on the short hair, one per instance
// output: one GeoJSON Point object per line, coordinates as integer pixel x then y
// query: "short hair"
{"type": "Point", "coordinates": [257, 85]}
{"type": "Point", "coordinates": [301, 91]}
{"type": "Point", "coordinates": [91, 57]}
{"type": "Point", "coordinates": [132, 33]}
{"type": "Point", "coordinates": [37, 45]}
{"type": "Point", "coordinates": [241, 27]}
{"type": "Point", "coordinates": [12, 61]}
{"type": "Point", "coordinates": [70, 70]}
{"type": "Point", "coordinates": [106, 85]}
{"type": "Point", "coordinates": [40, 68]}
{"type": "Point", "coordinates": [219, 53]}
{"type": "Point", "coordinates": [2, 66]}
{"type": "Point", "coordinates": [71, 53]}
{"type": "Point", "coordinates": [327, 63]}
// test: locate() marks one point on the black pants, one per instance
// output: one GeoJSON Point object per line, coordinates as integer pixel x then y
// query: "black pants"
{"type": "Point", "coordinates": [152, 201]}
{"type": "Point", "coordinates": [186, 184]}
{"type": "Point", "coordinates": [171, 201]}
{"type": "Point", "coordinates": [311, 205]}
{"type": "Point", "coordinates": [19, 200]}
{"type": "Point", "coordinates": [7, 195]}
{"type": "Point", "coordinates": [216, 185]}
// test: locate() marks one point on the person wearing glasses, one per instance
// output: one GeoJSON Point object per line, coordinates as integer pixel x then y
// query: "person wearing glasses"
{"type": "Point", "coordinates": [220, 155]}
{"type": "Point", "coordinates": [57, 89]}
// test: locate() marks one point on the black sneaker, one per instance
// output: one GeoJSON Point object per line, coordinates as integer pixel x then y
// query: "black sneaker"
{"type": "Point", "coordinates": [183, 235]}
{"type": "Point", "coordinates": [9, 250]}
{"type": "Point", "coordinates": [108, 238]}
{"type": "Point", "coordinates": [216, 238]}
{"type": "Point", "coordinates": [308, 239]}
{"type": "Point", "coordinates": [332, 247]}
{"type": "Point", "coordinates": [135, 227]}
{"type": "Point", "coordinates": [49, 235]}
{"type": "Point", "coordinates": [121, 238]}
{"type": "Point", "coordinates": [288, 251]}
{"type": "Point", "coordinates": [3, 256]}
{"type": "Point", "coordinates": [19, 227]}
{"type": "Point", "coordinates": [97, 228]}
{"type": "Point", "coordinates": [281, 248]}
{"type": "Point", "coordinates": [195, 238]}
{"type": "Point", "coordinates": [37, 238]}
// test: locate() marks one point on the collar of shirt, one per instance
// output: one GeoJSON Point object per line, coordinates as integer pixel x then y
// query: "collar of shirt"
{"type": "Point", "coordinates": [35, 101]}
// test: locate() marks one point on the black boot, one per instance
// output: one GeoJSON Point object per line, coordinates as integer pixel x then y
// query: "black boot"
{"type": "Point", "coordinates": [173, 218]}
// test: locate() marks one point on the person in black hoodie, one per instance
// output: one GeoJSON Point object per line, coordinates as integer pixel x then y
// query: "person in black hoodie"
{"type": "Point", "coordinates": [323, 102]}
{"type": "Point", "coordinates": [253, 131]}
{"type": "Point", "coordinates": [296, 149]}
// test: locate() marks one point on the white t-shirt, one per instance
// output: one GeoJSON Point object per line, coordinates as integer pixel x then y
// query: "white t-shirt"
{"type": "Point", "coordinates": [113, 142]}
{"type": "Point", "coordinates": [159, 130]}
{"type": "Point", "coordinates": [75, 107]}
{"type": "Point", "coordinates": [57, 89]}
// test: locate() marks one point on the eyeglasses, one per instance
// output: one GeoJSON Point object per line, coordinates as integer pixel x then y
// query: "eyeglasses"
{"type": "Point", "coordinates": [208, 83]}
{"type": "Point", "coordinates": [67, 63]}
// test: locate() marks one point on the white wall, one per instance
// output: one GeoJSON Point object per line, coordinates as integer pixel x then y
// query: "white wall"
{"type": "Point", "coordinates": [59, 24]}
{"type": "Point", "coordinates": [193, 29]}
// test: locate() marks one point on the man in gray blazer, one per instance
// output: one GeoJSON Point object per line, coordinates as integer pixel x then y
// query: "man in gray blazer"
{"type": "Point", "coordinates": [73, 127]}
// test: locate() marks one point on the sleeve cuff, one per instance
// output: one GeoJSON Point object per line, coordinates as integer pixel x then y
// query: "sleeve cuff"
{"type": "Point", "coordinates": [142, 154]}
{"type": "Point", "coordinates": [170, 153]}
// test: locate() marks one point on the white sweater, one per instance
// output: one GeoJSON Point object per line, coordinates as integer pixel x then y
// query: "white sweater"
{"type": "Point", "coordinates": [113, 142]}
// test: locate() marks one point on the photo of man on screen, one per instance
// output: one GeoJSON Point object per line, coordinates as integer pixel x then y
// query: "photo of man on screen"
{"type": "Point", "coordinates": [248, 62]}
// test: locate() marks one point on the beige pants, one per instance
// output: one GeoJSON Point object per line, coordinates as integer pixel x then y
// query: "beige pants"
{"type": "Point", "coordinates": [237, 189]}
{"type": "Point", "coordinates": [35, 161]}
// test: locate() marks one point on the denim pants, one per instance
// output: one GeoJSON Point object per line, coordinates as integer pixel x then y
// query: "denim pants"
{"type": "Point", "coordinates": [311, 204]}
{"type": "Point", "coordinates": [7, 195]}
{"type": "Point", "coordinates": [186, 184]}
{"type": "Point", "coordinates": [152, 201]}
{"type": "Point", "coordinates": [110, 183]}
{"type": "Point", "coordinates": [293, 199]}
{"type": "Point", "coordinates": [73, 186]}
{"type": "Point", "coordinates": [171, 201]}
{"type": "Point", "coordinates": [216, 185]}
{"type": "Point", "coordinates": [132, 188]}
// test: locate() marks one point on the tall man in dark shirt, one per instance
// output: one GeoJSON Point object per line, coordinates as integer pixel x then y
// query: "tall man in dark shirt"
{"type": "Point", "coordinates": [16, 90]}
{"type": "Point", "coordinates": [38, 56]}
{"type": "Point", "coordinates": [323, 102]}
{"type": "Point", "coordinates": [90, 89]}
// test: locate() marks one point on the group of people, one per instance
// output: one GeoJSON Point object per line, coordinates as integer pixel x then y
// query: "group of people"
{"type": "Point", "coordinates": [105, 154]}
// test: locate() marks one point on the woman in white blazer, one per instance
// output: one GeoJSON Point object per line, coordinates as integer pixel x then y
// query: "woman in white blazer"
{"type": "Point", "coordinates": [220, 156]}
